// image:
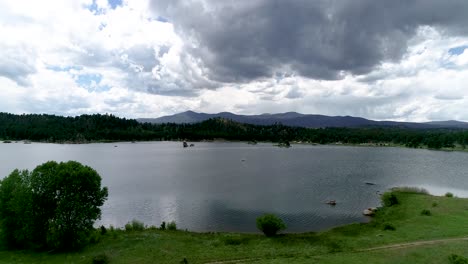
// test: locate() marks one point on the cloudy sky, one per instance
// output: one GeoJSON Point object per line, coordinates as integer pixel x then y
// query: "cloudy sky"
{"type": "Point", "coordinates": [387, 60]}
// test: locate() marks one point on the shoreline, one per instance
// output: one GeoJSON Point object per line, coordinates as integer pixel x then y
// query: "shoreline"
{"type": "Point", "coordinates": [373, 145]}
{"type": "Point", "coordinates": [401, 226]}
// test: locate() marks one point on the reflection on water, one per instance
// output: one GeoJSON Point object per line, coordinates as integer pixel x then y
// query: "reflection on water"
{"type": "Point", "coordinates": [226, 186]}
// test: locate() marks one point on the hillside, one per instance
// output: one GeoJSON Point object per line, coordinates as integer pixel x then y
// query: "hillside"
{"type": "Point", "coordinates": [99, 128]}
{"type": "Point", "coordinates": [299, 120]}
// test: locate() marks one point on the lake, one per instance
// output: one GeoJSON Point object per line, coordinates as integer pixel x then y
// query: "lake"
{"type": "Point", "coordinates": [221, 186]}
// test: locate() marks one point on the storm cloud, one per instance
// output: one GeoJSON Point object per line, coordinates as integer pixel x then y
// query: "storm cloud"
{"type": "Point", "coordinates": [239, 41]}
{"type": "Point", "coordinates": [378, 59]}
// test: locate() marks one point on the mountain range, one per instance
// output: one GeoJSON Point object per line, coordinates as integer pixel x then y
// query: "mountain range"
{"type": "Point", "coordinates": [300, 120]}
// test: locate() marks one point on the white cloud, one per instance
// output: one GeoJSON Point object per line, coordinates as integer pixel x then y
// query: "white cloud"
{"type": "Point", "coordinates": [61, 57]}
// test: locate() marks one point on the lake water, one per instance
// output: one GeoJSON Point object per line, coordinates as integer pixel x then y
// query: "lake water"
{"type": "Point", "coordinates": [225, 186]}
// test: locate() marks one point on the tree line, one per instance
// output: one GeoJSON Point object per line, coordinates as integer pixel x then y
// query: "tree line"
{"type": "Point", "coordinates": [97, 127]}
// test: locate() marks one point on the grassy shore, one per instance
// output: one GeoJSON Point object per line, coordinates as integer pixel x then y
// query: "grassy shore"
{"type": "Point", "coordinates": [355, 243]}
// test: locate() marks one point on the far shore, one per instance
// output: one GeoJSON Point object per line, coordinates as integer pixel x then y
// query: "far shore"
{"type": "Point", "coordinates": [457, 148]}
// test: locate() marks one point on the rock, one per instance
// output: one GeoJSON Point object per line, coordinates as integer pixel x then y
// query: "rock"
{"type": "Point", "coordinates": [369, 211]}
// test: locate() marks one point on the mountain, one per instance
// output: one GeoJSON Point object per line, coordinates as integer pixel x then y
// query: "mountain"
{"type": "Point", "coordinates": [299, 120]}
{"type": "Point", "coordinates": [449, 123]}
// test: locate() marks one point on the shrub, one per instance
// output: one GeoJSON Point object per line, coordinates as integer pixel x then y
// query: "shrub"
{"type": "Point", "coordinates": [334, 247]}
{"type": "Point", "coordinates": [414, 190]}
{"type": "Point", "coordinates": [134, 225]}
{"type": "Point", "coordinates": [389, 199]}
{"type": "Point", "coordinates": [426, 212]}
{"type": "Point", "coordinates": [434, 204]}
{"type": "Point", "coordinates": [172, 226]}
{"type": "Point", "coordinates": [235, 241]}
{"type": "Point", "coordinates": [270, 224]}
{"type": "Point", "coordinates": [103, 230]}
{"type": "Point", "coordinates": [95, 237]}
{"type": "Point", "coordinates": [137, 225]}
{"type": "Point", "coordinates": [54, 206]}
{"type": "Point", "coordinates": [449, 194]}
{"type": "Point", "coordinates": [163, 226]}
{"type": "Point", "coordinates": [101, 259]}
{"type": "Point", "coordinates": [388, 226]}
{"type": "Point", "coordinates": [456, 259]}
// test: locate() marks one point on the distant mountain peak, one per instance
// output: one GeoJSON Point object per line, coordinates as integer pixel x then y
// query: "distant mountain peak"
{"type": "Point", "coordinates": [300, 120]}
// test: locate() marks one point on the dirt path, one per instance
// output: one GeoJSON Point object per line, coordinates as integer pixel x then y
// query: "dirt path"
{"type": "Point", "coordinates": [392, 246]}
{"type": "Point", "coordinates": [414, 244]}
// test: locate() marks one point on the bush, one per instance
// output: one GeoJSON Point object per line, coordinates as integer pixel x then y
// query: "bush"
{"type": "Point", "coordinates": [54, 206]}
{"type": "Point", "coordinates": [101, 259]}
{"type": "Point", "coordinates": [270, 224]}
{"type": "Point", "coordinates": [94, 237]}
{"type": "Point", "coordinates": [163, 226]}
{"type": "Point", "coordinates": [389, 227]}
{"type": "Point", "coordinates": [456, 259]}
{"type": "Point", "coordinates": [389, 199]}
{"type": "Point", "coordinates": [172, 226]}
{"type": "Point", "coordinates": [235, 241]}
{"type": "Point", "coordinates": [414, 190]}
{"type": "Point", "coordinates": [334, 247]}
{"type": "Point", "coordinates": [449, 194]}
{"type": "Point", "coordinates": [134, 225]}
{"type": "Point", "coordinates": [426, 212]}
{"type": "Point", "coordinates": [137, 225]}
{"type": "Point", "coordinates": [103, 230]}
{"type": "Point", "coordinates": [434, 204]}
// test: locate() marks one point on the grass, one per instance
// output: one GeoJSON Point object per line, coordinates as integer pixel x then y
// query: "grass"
{"type": "Point", "coordinates": [449, 219]}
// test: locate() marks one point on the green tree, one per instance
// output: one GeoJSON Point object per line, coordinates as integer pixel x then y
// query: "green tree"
{"type": "Point", "coordinates": [54, 206]}
{"type": "Point", "coordinates": [16, 209]}
{"type": "Point", "coordinates": [270, 224]}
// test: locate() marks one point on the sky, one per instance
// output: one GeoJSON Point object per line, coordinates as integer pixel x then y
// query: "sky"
{"type": "Point", "coordinates": [403, 60]}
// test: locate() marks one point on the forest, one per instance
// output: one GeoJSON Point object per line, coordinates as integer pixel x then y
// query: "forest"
{"type": "Point", "coordinates": [103, 128]}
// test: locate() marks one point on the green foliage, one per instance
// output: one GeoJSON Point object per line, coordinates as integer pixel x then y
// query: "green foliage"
{"type": "Point", "coordinates": [235, 240]}
{"type": "Point", "coordinates": [94, 237]}
{"type": "Point", "coordinates": [134, 225]}
{"type": "Point", "coordinates": [163, 226]}
{"type": "Point", "coordinates": [86, 128]}
{"type": "Point", "coordinates": [172, 226]}
{"type": "Point", "coordinates": [435, 204]}
{"type": "Point", "coordinates": [101, 259]}
{"type": "Point", "coordinates": [389, 227]}
{"type": "Point", "coordinates": [54, 206]}
{"type": "Point", "coordinates": [449, 194]}
{"type": "Point", "coordinates": [426, 212]}
{"type": "Point", "coordinates": [389, 199]}
{"type": "Point", "coordinates": [103, 230]}
{"type": "Point", "coordinates": [414, 190]}
{"type": "Point", "coordinates": [16, 208]}
{"type": "Point", "coordinates": [270, 224]}
{"type": "Point", "coordinates": [457, 259]}
{"type": "Point", "coordinates": [334, 246]}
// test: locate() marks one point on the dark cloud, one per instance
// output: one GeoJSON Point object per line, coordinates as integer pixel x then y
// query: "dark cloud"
{"type": "Point", "coordinates": [238, 41]}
